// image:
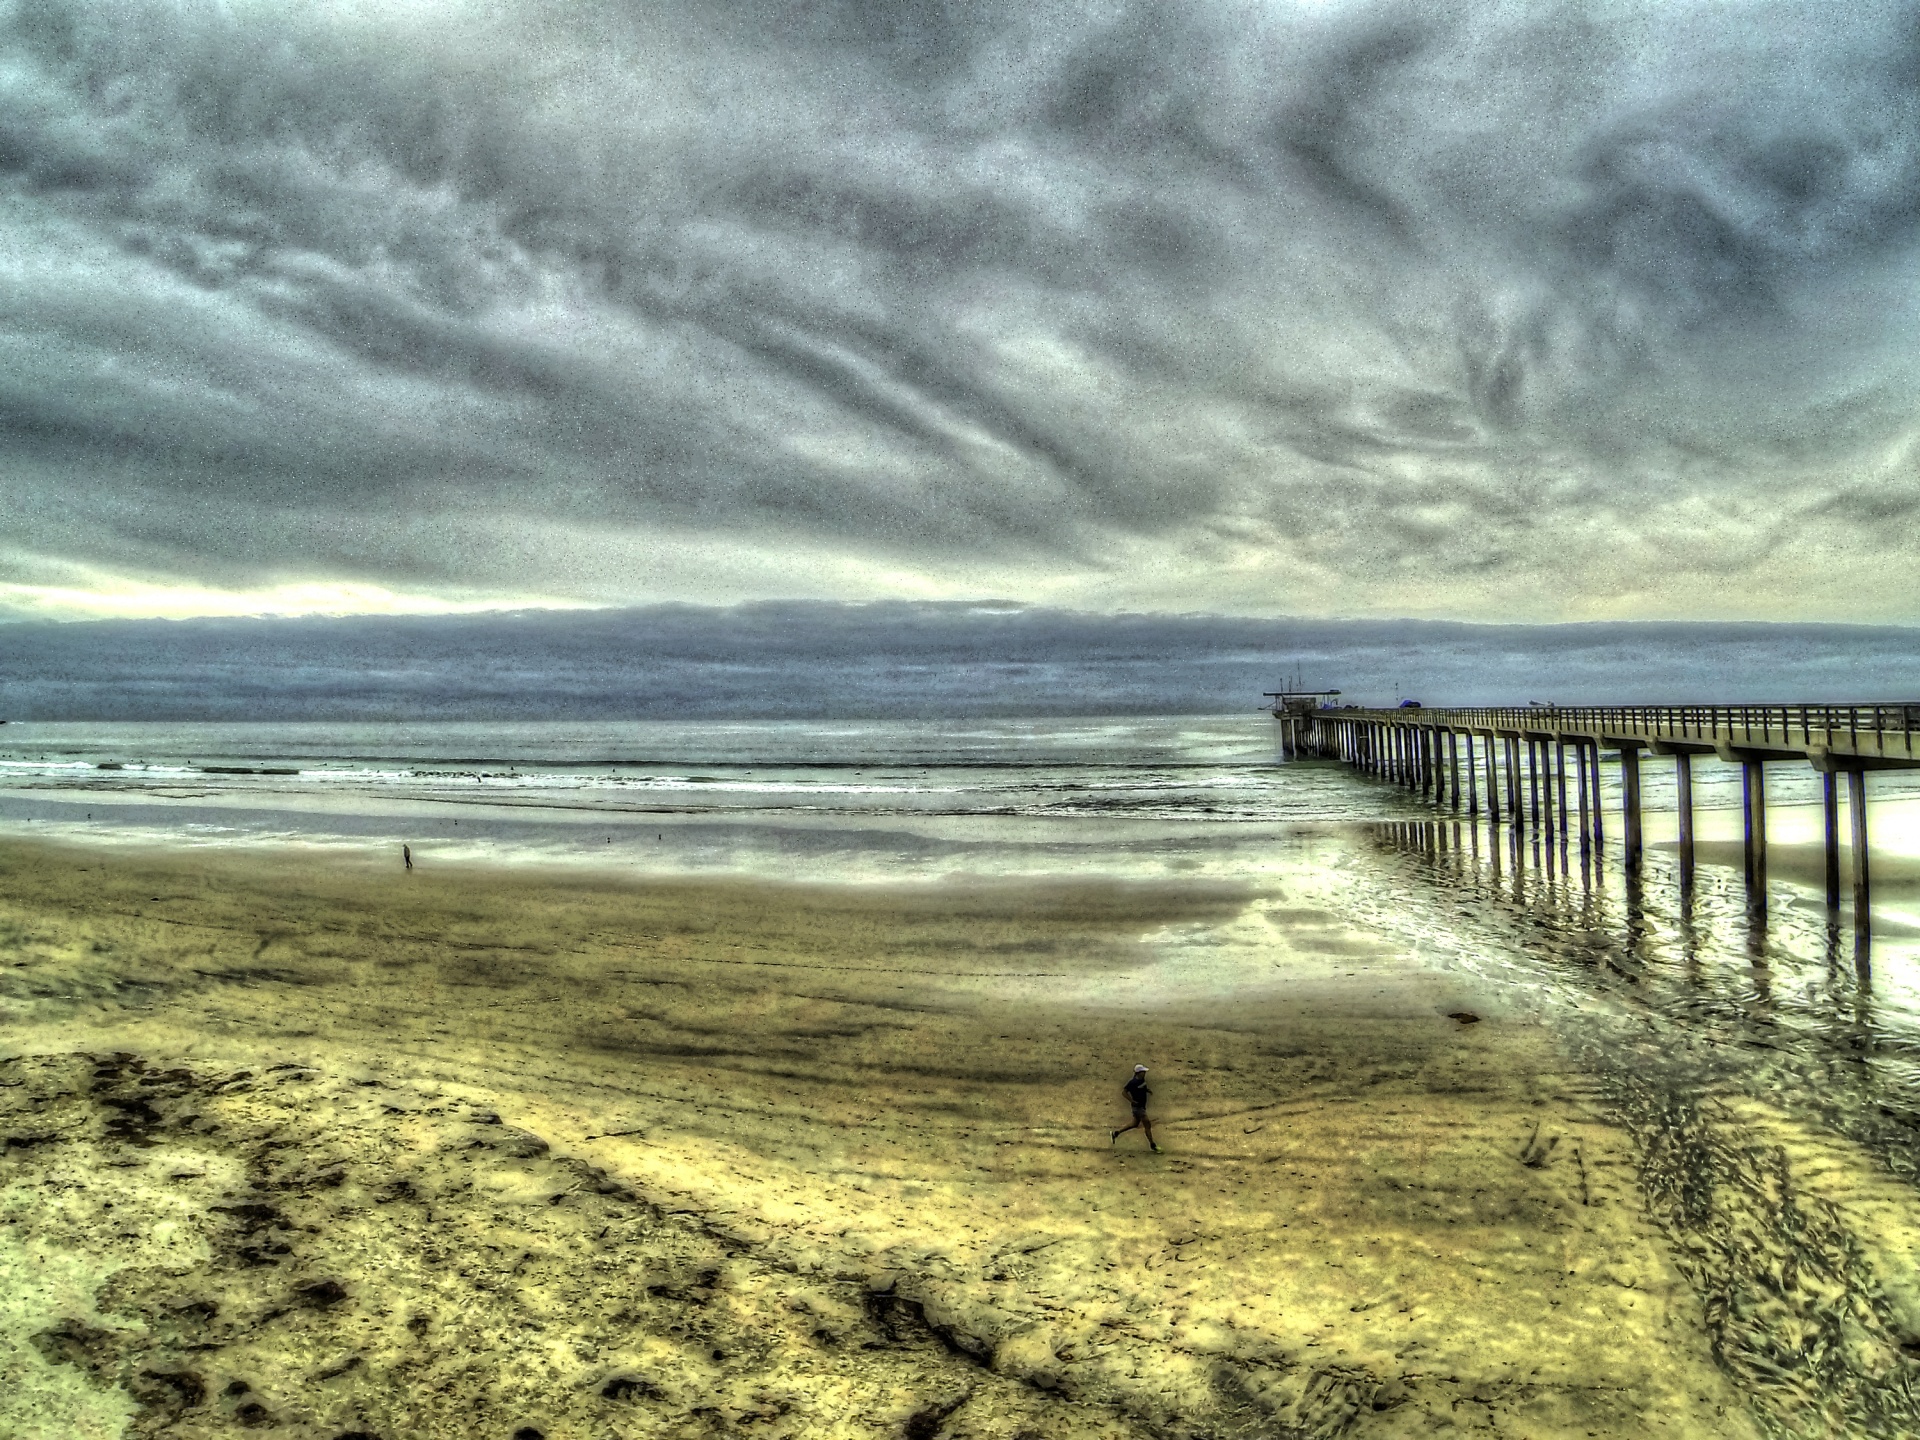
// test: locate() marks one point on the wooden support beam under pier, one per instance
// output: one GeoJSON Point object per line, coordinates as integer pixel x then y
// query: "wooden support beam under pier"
{"type": "Point", "coordinates": [1683, 804]}
{"type": "Point", "coordinates": [1515, 810]}
{"type": "Point", "coordinates": [1549, 817]}
{"type": "Point", "coordinates": [1599, 810]}
{"type": "Point", "coordinates": [1753, 809]}
{"type": "Point", "coordinates": [1830, 828]}
{"type": "Point", "coordinates": [1560, 793]}
{"type": "Point", "coordinates": [1857, 820]}
{"type": "Point", "coordinates": [1586, 822]}
{"type": "Point", "coordinates": [1630, 805]}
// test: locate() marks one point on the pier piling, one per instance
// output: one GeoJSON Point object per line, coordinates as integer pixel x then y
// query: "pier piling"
{"type": "Point", "coordinates": [1830, 816]}
{"type": "Point", "coordinates": [1514, 807]}
{"type": "Point", "coordinates": [1586, 824]}
{"type": "Point", "coordinates": [1549, 817]}
{"type": "Point", "coordinates": [1753, 807]}
{"type": "Point", "coordinates": [1857, 821]}
{"type": "Point", "coordinates": [1630, 805]}
{"type": "Point", "coordinates": [1599, 810]}
{"type": "Point", "coordinates": [1560, 792]}
{"type": "Point", "coordinates": [1683, 804]}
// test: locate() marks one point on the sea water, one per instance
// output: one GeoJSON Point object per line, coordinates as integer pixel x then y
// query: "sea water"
{"type": "Point", "coordinates": [844, 799]}
{"type": "Point", "coordinates": [826, 801]}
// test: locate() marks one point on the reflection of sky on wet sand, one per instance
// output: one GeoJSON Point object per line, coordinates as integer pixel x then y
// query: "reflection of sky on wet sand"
{"type": "Point", "coordinates": [1768, 1069]}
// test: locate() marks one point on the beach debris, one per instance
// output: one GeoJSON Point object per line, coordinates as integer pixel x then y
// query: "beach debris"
{"type": "Point", "coordinates": [521, 1144]}
{"type": "Point", "coordinates": [1533, 1154]}
{"type": "Point", "coordinates": [170, 1390]}
{"type": "Point", "coordinates": [626, 1387]}
{"type": "Point", "coordinates": [73, 1342]}
{"type": "Point", "coordinates": [926, 1422]}
{"type": "Point", "coordinates": [1465, 1017]}
{"type": "Point", "coordinates": [321, 1294]}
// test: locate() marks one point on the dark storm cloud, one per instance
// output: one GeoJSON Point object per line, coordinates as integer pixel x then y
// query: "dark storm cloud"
{"type": "Point", "coordinates": [940, 661]}
{"type": "Point", "coordinates": [1526, 305]}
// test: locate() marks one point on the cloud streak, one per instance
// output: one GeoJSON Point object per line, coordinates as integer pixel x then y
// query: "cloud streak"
{"type": "Point", "coordinates": [1458, 309]}
{"type": "Point", "coordinates": [893, 659]}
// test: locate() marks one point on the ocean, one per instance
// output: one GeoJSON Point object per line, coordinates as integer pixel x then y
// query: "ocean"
{"type": "Point", "coordinates": [849, 801]}
{"type": "Point", "coordinates": [839, 800]}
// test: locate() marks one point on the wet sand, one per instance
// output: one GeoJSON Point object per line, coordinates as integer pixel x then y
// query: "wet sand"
{"type": "Point", "coordinates": [484, 1153]}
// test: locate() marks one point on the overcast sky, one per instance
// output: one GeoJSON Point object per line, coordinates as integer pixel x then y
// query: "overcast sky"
{"type": "Point", "coordinates": [774, 660]}
{"type": "Point", "coordinates": [1525, 312]}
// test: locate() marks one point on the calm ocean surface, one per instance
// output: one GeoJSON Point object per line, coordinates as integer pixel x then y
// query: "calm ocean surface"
{"type": "Point", "coordinates": [801, 799]}
{"type": "Point", "coordinates": [839, 800]}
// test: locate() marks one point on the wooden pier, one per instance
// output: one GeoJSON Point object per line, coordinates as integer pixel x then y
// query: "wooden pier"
{"type": "Point", "coordinates": [1521, 763]}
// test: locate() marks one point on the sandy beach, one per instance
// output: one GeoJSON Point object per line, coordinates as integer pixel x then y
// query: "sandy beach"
{"type": "Point", "coordinates": [304, 1149]}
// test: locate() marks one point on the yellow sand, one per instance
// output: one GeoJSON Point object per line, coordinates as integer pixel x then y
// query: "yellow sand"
{"type": "Point", "coordinates": [1369, 1219]}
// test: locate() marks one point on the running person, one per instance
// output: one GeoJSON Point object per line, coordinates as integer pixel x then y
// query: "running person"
{"type": "Point", "coordinates": [1136, 1092]}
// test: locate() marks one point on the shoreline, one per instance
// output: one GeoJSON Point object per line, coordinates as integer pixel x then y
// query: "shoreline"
{"type": "Point", "coordinates": [1355, 1228]}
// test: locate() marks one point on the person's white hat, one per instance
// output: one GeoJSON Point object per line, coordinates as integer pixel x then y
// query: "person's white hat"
{"type": "Point", "coordinates": [1139, 1069]}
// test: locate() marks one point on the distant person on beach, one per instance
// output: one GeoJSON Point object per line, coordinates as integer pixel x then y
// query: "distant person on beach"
{"type": "Point", "coordinates": [1136, 1092]}
{"type": "Point", "coordinates": [406, 855]}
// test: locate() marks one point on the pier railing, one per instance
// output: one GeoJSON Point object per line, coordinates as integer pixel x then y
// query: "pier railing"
{"type": "Point", "coordinates": [1888, 729]}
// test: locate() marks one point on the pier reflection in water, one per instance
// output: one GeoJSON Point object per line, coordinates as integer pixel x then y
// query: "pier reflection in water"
{"type": "Point", "coordinates": [1769, 1078]}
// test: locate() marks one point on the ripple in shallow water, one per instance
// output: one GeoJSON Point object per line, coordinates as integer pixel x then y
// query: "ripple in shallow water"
{"type": "Point", "coordinates": [1770, 1094]}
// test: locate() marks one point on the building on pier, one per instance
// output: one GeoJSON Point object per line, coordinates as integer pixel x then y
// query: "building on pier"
{"type": "Point", "coordinates": [1293, 709]}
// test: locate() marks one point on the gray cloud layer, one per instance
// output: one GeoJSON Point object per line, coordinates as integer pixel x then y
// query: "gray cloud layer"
{"type": "Point", "coordinates": [940, 661]}
{"type": "Point", "coordinates": [1449, 308]}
